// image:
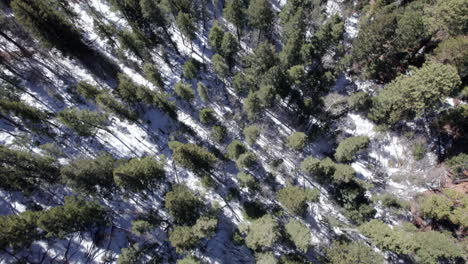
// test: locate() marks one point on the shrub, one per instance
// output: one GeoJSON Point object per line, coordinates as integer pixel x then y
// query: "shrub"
{"type": "Point", "coordinates": [218, 133]}
{"type": "Point", "coordinates": [183, 205]}
{"type": "Point", "coordinates": [251, 134]}
{"type": "Point", "coordinates": [353, 252]}
{"type": "Point", "coordinates": [246, 160]}
{"type": "Point", "coordinates": [139, 174]}
{"type": "Point", "coordinates": [235, 149]}
{"type": "Point", "coordinates": [264, 232]}
{"type": "Point", "coordinates": [418, 150]}
{"type": "Point", "coordinates": [184, 91]}
{"type": "Point", "coordinates": [297, 140]}
{"type": "Point", "coordinates": [246, 180]}
{"type": "Point", "coordinates": [299, 234]}
{"type": "Point", "coordinates": [207, 116]}
{"type": "Point", "coordinates": [458, 165]}
{"type": "Point", "coordinates": [437, 207]}
{"type": "Point", "coordinates": [348, 148]}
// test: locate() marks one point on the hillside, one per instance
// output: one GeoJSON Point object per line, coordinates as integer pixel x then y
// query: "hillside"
{"type": "Point", "coordinates": [237, 131]}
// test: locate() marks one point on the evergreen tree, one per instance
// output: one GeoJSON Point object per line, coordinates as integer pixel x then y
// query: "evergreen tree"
{"type": "Point", "coordinates": [88, 91]}
{"type": "Point", "coordinates": [184, 91]}
{"type": "Point", "coordinates": [299, 234]}
{"type": "Point", "coordinates": [235, 149]}
{"type": "Point", "coordinates": [90, 175]}
{"type": "Point", "coordinates": [261, 15]}
{"type": "Point", "coordinates": [193, 157]}
{"type": "Point", "coordinates": [219, 65]}
{"type": "Point", "coordinates": [251, 134]}
{"type": "Point", "coordinates": [267, 95]}
{"type": "Point", "coordinates": [297, 140]}
{"type": "Point", "coordinates": [20, 170]}
{"type": "Point", "coordinates": [84, 122]}
{"type": "Point", "coordinates": [252, 106]}
{"type": "Point", "coordinates": [191, 69]}
{"type": "Point", "coordinates": [218, 133]}
{"type": "Point", "coordinates": [263, 232]}
{"type": "Point", "coordinates": [139, 174]}
{"type": "Point", "coordinates": [454, 51]}
{"type": "Point", "coordinates": [215, 37]}
{"type": "Point", "coordinates": [295, 198]}
{"type": "Point", "coordinates": [152, 73]}
{"type": "Point", "coordinates": [348, 148]}
{"type": "Point", "coordinates": [411, 96]}
{"type": "Point", "coordinates": [207, 116]}
{"type": "Point", "coordinates": [352, 252]}
{"type": "Point", "coordinates": [186, 25]}
{"type": "Point", "coordinates": [183, 205]}
{"type": "Point", "coordinates": [110, 104]}
{"type": "Point", "coordinates": [234, 12]}
{"type": "Point", "coordinates": [18, 231]}
{"type": "Point", "coordinates": [246, 180]}
{"type": "Point", "coordinates": [229, 48]}
{"type": "Point", "coordinates": [22, 110]}
{"type": "Point", "coordinates": [202, 92]}
{"type": "Point", "coordinates": [246, 160]}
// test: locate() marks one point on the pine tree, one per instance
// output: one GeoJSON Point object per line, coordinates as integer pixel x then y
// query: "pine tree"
{"type": "Point", "coordinates": [215, 37]}
{"type": "Point", "coordinates": [261, 15]}
{"type": "Point", "coordinates": [87, 90]}
{"type": "Point", "coordinates": [84, 122]}
{"type": "Point", "coordinates": [184, 91]}
{"type": "Point", "coordinates": [109, 103]}
{"type": "Point", "coordinates": [152, 74]}
{"type": "Point", "coordinates": [348, 148]}
{"type": "Point", "coordinates": [299, 234]}
{"type": "Point", "coordinates": [264, 232]}
{"type": "Point", "coordinates": [235, 149]}
{"type": "Point", "coordinates": [183, 205]}
{"type": "Point", "coordinates": [202, 92]}
{"type": "Point", "coordinates": [252, 106]}
{"type": "Point", "coordinates": [207, 116]}
{"type": "Point", "coordinates": [191, 68]}
{"type": "Point", "coordinates": [186, 25]}
{"type": "Point", "coordinates": [139, 174]}
{"type": "Point", "coordinates": [234, 12]}
{"type": "Point", "coordinates": [297, 140]}
{"type": "Point", "coordinates": [229, 48]}
{"type": "Point", "coordinates": [251, 134]}
{"type": "Point", "coordinates": [194, 158]}
{"type": "Point", "coordinates": [219, 65]}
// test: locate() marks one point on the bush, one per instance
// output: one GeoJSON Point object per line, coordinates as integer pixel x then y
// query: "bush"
{"type": "Point", "coordinates": [264, 232]}
{"type": "Point", "coordinates": [297, 140]}
{"type": "Point", "coordinates": [458, 165]}
{"type": "Point", "coordinates": [246, 180]}
{"type": "Point", "coordinates": [235, 149]}
{"type": "Point", "coordinates": [251, 134]}
{"type": "Point", "coordinates": [184, 91]}
{"type": "Point", "coordinates": [218, 133]}
{"type": "Point", "coordinates": [207, 116]}
{"type": "Point", "coordinates": [418, 150]}
{"type": "Point", "coordinates": [299, 234]}
{"type": "Point", "coordinates": [353, 252]}
{"type": "Point", "coordinates": [139, 174]}
{"type": "Point", "coordinates": [295, 198]}
{"type": "Point", "coordinates": [348, 148]}
{"type": "Point", "coordinates": [90, 175]}
{"type": "Point", "coordinates": [246, 160]}
{"type": "Point", "coordinates": [183, 205]}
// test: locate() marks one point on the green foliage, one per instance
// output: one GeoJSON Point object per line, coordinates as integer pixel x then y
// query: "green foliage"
{"type": "Point", "coordinates": [75, 215]}
{"type": "Point", "coordinates": [297, 140]}
{"type": "Point", "coordinates": [37, 16]}
{"type": "Point", "coordinates": [90, 176]}
{"type": "Point", "coordinates": [426, 247]}
{"type": "Point", "coordinates": [22, 110]}
{"type": "Point", "coordinates": [352, 252]}
{"type": "Point", "coordinates": [202, 92]}
{"type": "Point", "coordinates": [251, 134]}
{"type": "Point", "coordinates": [360, 101]}
{"type": "Point", "coordinates": [205, 227]}
{"type": "Point", "coordinates": [215, 37]}
{"type": "Point", "coordinates": [267, 95]}
{"type": "Point", "coordinates": [252, 106]}
{"type": "Point", "coordinates": [139, 174]}
{"type": "Point", "coordinates": [411, 96]}
{"type": "Point", "coordinates": [109, 103]}
{"type": "Point", "coordinates": [84, 122]}
{"type": "Point", "coordinates": [153, 75]}
{"type": "Point", "coordinates": [207, 116]}
{"type": "Point", "coordinates": [235, 149]}
{"type": "Point", "coordinates": [451, 16]}
{"type": "Point", "coordinates": [188, 260]}
{"type": "Point", "coordinates": [458, 165]}
{"type": "Point", "coordinates": [266, 258]}
{"type": "Point", "coordinates": [454, 51]}
{"type": "Point", "coordinates": [25, 171]}
{"type": "Point", "coordinates": [191, 68]}
{"type": "Point", "coordinates": [218, 133]}
{"type": "Point", "coordinates": [299, 234]}
{"type": "Point", "coordinates": [343, 173]}
{"type": "Point", "coordinates": [452, 122]}
{"type": "Point", "coordinates": [263, 232]}
{"type": "Point", "coordinates": [253, 210]}
{"type": "Point", "coordinates": [87, 90]}
{"type": "Point", "coordinates": [437, 207]}
{"type": "Point", "coordinates": [229, 48]}
{"type": "Point", "coordinates": [184, 91]}
{"type": "Point", "coordinates": [129, 255]}
{"type": "Point", "coordinates": [194, 158]}
{"type": "Point", "coordinates": [295, 198]}
{"type": "Point", "coordinates": [234, 12]}
{"type": "Point", "coordinates": [349, 147]}
{"type": "Point", "coordinates": [186, 25]}
{"type": "Point", "coordinates": [139, 227]}
{"type": "Point", "coordinates": [246, 180]}
{"type": "Point", "coordinates": [182, 238]}
{"type": "Point", "coordinates": [419, 150]}
{"type": "Point", "coordinates": [246, 160]}
{"type": "Point", "coordinates": [310, 165]}
{"type": "Point", "coordinates": [219, 65]}
{"type": "Point", "coordinates": [18, 231]}
{"type": "Point", "coordinates": [182, 204]}
{"type": "Point", "coordinates": [260, 14]}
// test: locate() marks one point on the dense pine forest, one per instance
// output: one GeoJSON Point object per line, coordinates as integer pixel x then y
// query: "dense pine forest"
{"type": "Point", "coordinates": [234, 131]}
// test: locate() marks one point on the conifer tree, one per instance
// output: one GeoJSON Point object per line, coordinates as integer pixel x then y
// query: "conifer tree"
{"type": "Point", "coordinates": [139, 174]}
{"type": "Point", "coordinates": [234, 12]}
{"type": "Point", "coordinates": [184, 91]}
{"type": "Point", "coordinates": [215, 37]}
{"type": "Point", "coordinates": [84, 122]}
{"type": "Point", "coordinates": [261, 15]}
